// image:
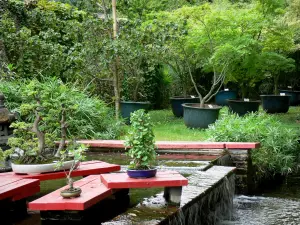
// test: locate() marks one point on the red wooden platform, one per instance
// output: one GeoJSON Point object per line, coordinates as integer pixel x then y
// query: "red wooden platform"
{"type": "Point", "coordinates": [93, 191]}
{"type": "Point", "coordinates": [85, 169]}
{"type": "Point", "coordinates": [162, 179]}
{"type": "Point", "coordinates": [18, 188]}
{"type": "Point", "coordinates": [164, 145]}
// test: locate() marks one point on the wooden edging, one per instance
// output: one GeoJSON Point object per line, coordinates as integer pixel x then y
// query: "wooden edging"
{"type": "Point", "coordinates": [119, 144]}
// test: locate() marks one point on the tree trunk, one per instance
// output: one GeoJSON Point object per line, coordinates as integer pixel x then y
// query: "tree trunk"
{"type": "Point", "coordinates": [116, 82]}
{"type": "Point", "coordinates": [35, 129]}
{"type": "Point", "coordinates": [63, 127]}
{"type": "Point", "coordinates": [276, 79]}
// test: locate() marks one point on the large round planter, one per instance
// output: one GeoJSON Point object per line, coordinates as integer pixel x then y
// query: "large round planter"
{"type": "Point", "coordinates": [275, 103]}
{"type": "Point", "coordinates": [242, 107]}
{"type": "Point", "coordinates": [195, 117]}
{"type": "Point", "coordinates": [40, 168]}
{"type": "Point", "coordinates": [140, 174]}
{"type": "Point", "coordinates": [222, 97]}
{"type": "Point", "coordinates": [177, 101]}
{"type": "Point", "coordinates": [129, 107]}
{"type": "Point", "coordinates": [293, 98]}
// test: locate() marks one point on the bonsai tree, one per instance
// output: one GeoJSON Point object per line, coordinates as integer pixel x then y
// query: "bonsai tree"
{"type": "Point", "coordinates": [140, 141]}
{"type": "Point", "coordinates": [76, 151]}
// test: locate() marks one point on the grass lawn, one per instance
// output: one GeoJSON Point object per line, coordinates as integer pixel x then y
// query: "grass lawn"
{"type": "Point", "coordinates": [169, 128]}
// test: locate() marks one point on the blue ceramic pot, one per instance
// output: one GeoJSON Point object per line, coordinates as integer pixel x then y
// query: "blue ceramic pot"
{"type": "Point", "coordinates": [141, 173]}
{"type": "Point", "coordinates": [222, 96]}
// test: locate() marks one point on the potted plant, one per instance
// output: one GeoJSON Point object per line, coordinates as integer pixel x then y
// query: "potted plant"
{"type": "Point", "coordinates": [244, 73]}
{"type": "Point", "coordinates": [141, 146]}
{"type": "Point", "coordinates": [76, 151]}
{"type": "Point", "coordinates": [273, 64]}
{"type": "Point", "coordinates": [33, 144]}
{"type": "Point", "coordinates": [181, 81]}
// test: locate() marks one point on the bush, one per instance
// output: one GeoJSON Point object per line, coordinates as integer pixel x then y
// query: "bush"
{"type": "Point", "coordinates": [90, 117]}
{"type": "Point", "coordinates": [279, 152]}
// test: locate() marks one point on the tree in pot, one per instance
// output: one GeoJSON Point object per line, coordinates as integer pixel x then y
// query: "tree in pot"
{"type": "Point", "coordinates": [76, 151]}
{"type": "Point", "coordinates": [136, 61]}
{"type": "Point", "coordinates": [43, 120]}
{"type": "Point", "coordinates": [212, 41]}
{"type": "Point", "coordinates": [141, 144]}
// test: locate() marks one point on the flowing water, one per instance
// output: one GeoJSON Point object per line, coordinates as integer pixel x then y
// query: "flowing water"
{"type": "Point", "coordinates": [279, 205]}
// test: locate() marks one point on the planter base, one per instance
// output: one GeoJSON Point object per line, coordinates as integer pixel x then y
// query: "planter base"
{"type": "Point", "coordinates": [195, 117]}
{"type": "Point", "coordinates": [70, 193]}
{"type": "Point", "coordinates": [141, 174]}
{"type": "Point", "coordinates": [40, 168]}
{"type": "Point", "coordinates": [242, 107]}
{"type": "Point", "coordinates": [275, 103]}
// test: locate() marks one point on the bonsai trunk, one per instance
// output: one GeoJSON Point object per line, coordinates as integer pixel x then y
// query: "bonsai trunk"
{"type": "Point", "coordinates": [244, 91]}
{"type": "Point", "coordinates": [35, 129]}
{"type": "Point", "coordinates": [63, 126]}
{"type": "Point", "coordinates": [276, 80]}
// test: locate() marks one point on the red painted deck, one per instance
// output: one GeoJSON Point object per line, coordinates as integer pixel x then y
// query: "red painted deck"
{"type": "Point", "coordinates": [85, 169]}
{"type": "Point", "coordinates": [18, 188]}
{"type": "Point", "coordinates": [162, 179]}
{"type": "Point", "coordinates": [93, 191]}
{"type": "Point", "coordinates": [119, 144]}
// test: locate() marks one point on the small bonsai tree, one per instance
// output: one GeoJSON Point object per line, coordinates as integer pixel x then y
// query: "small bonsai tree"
{"type": "Point", "coordinates": [140, 141]}
{"type": "Point", "coordinates": [77, 153]}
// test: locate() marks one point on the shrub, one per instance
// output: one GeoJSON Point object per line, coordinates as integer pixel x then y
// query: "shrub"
{"type": "Point", "coordinates": [141, 141]}
{"type": "Point", "coordinates": [279, 152]}
{"type": "Point", "coordinates": [90, 117]}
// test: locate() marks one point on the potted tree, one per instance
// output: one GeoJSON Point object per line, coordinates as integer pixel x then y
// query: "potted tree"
{"type": "Point", "coordinates": [141, 146]}
{"type": "Point", "coordinates": [244, 73]}
{"type": "Point", "coordinates": [33, 144]}
{"type": "Point", "coordinates": [76, 151]}
{"type": "Point", "coordinates": [273, 64]}
{"type": "Point", "coordinates": [212, 40]}
{"type": "Point", "coordinates": [135, 62]}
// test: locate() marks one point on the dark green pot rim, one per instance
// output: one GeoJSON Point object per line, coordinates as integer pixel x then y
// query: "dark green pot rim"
{"type": "Point", "coordinates": [274, 95]}
{"type": "Point", "coordinates": [132, 102]}
{"type": "Point", "coordinates": [182, 97]}
{"type": "Point", "coordinates": [192, 106]}
{"type": "Point", "coordinates": [242, 101]}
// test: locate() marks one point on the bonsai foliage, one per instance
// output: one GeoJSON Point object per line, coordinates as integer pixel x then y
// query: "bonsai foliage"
{"type": "Point", "coordinates": [75, 152]}
{"type": "Point", "coordinates": [140, 141]}
{"type": "Point", "coordinates": [50, 111]}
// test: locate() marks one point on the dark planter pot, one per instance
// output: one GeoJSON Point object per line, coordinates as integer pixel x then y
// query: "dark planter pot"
{"type": "Point", "coordinates": [242, 107]}
{"type": "Point", "coordinates": [275, 103]}
{"type": "Point", "coordinates": [177, 101]}
{"type": "Point", "coordinates": [293, 98]}
{"type": "Point", "coordinates": [129, 107]}
{"type": "Point", "coordinates": [140, 174]}
{"type": "Point", "coordinates": [195, 117]}
{"type": "Point", "coordinates": [298, 97]}
{"type": "Point", "coordinates": [222, 97]}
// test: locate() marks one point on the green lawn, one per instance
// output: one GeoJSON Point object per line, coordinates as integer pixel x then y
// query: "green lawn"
{"type": "Point", "coordinates": [169, 128]}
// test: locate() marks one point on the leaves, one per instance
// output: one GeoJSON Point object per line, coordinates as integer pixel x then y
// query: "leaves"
{"type": "Point", "coordinates": [140, 141]}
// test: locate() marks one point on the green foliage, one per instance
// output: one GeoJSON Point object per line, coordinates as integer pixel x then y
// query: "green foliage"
{"type": "Point", "coordinates": [140, 141]}
{"type": "Point", "coordinates": [43, 39]}
{"type": "Point", "coordinates": [279, 152]}
{"type": "Point", "coordinates": [4, 155]}
{"type": "Point", "coordinates": [88, 117]}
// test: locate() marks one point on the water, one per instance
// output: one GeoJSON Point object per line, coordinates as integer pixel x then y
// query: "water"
{"type": "Point", "coordinates": [279, 205]}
